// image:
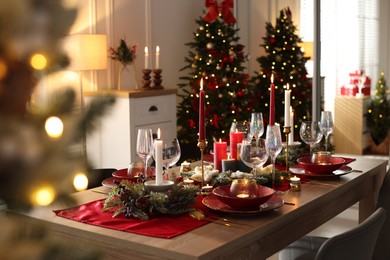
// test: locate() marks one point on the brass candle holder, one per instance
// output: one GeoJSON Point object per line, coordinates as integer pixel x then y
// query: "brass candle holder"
{"type": "Point", "coordinates": [157, 79]}
{"type": "Point", "coordinates": [146, 78]}
{"type": "Point", "coordinates": [202, 145]}
{"type": "Point", "coordinates": [287, 131]}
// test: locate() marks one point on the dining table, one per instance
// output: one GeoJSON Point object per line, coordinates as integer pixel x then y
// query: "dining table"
{"type": "Point", "coordinates": [253, 236]}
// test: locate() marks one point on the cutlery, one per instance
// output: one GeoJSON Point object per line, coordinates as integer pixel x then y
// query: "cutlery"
{"type": "Point", "coordinates": [200, 215]}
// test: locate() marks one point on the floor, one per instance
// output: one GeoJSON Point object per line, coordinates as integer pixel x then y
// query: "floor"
{"type": "Point", "coordinates": [342, 222]}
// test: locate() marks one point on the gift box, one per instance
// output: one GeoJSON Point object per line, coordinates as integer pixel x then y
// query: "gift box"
{"type": "Point", "coordinates": [357, 79]}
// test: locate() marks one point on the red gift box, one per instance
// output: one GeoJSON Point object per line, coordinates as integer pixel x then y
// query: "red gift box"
{"type": "Point", "coordinates": [355, 79]}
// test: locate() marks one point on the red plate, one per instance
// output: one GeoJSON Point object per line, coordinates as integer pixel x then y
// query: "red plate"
{"type": "Point", "coordinates": [214, 203]}
{"type": "Point", "coordinates": [296, 169]}
{"type": "Point", "coordinates": [109, 183]}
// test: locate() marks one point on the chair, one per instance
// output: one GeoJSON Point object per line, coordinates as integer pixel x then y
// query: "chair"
{"type": "Point", "coordinates": [382, 248]}
{"type": "Point", "coordinates": [355, 244]}
{"type": "Point", "coordinates": [96, 176]}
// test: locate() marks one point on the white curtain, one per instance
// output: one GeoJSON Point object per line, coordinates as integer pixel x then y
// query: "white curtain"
{"type": "Point", "coordinates": [349, 41]}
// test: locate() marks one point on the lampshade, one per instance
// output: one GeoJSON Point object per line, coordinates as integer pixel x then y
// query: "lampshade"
{"type": "Point", "coordinates": [86, 51]}
{"type": "Point", "coordinates": [307, 48]}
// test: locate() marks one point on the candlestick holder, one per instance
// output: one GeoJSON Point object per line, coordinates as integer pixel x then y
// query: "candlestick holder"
{"type": "Point", "coordinates": [202, 145]}
{"type": "Point", "coordinates": [146, 78]}
{"type": "Point", "coordinates": [287, 131]}
{"type": "Point", "coordinates": [157, 79]}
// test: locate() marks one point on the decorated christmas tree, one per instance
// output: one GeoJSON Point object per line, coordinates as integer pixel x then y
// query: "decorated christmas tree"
{"type": "Point", "coordinates": [378, 117]}
{"type": "Point", "coordinates": [217, 57]}
{"type": "Point", "coordinates": [286, 61]}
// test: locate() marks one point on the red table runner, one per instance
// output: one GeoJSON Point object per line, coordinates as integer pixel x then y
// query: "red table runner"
{"type": "Point", "coordinates": [159, 226]}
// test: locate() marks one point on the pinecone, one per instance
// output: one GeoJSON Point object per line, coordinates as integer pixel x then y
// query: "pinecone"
{"type": "Point", "coordinates": [143, 202]}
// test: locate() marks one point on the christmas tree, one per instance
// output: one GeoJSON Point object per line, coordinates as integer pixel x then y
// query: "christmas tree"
{"type": "Point", "coordinates": [378, 117]}
{"type": "Point", "coordinates": [217, 57]}
{"type": "Point", "coordinates": [286, 61]}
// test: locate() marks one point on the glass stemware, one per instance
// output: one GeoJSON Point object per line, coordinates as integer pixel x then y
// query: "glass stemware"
{"type": "Point", "coordinates": [254, 154]}
{"type": "Point", "coordinates": [171, 153]}
{"type": "Point", "coordinates": [310, 133]}
{"type": "Point", "coordinates": [326, 126]}
{"type": "Point", "coordinates": [240, 126]}
{"type": "Point", "coordinates": [256, 126]}
{"type": "Point", "coordinates": [274, 146]}
{"type": "Point", "coordinates": [145, 146]}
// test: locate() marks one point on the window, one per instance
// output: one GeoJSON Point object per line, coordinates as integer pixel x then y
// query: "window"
{"type": "Point", "coordinates": [349, 41]}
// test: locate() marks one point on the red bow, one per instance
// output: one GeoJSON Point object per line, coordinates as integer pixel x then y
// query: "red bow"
{"type": "Point", "coordinates": [214, 9]}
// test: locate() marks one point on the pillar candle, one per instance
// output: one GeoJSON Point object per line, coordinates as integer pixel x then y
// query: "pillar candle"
{"type": "Point", "coordinates": [220, 153]}
{"type": "Point", "coordinates": [157, 57]}
{"type": "Point", "coordinates": [202, 128]}
{"type": "Point", "coordinates": [229, 165]}
{"type": "Point", "coordinates": [146, 58]}
{"type": "Point", "coordinates": [291, 135]}
{"type": "Point", "coordinates": [272, 102]}
{"type": "Point", "coordinates": [235, 138]}
{"type": "Point", "coordinates": [158, 144]}
{"type": "Point", "coordinates": [287, 97]}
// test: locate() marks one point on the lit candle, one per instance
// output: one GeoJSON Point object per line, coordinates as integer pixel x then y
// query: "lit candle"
{"type": "Point", "coordinates": [202, 128]}
{"type": "Point", "coordinates": [295, 179]}
{"type": "Point", "coordinates": [188, 181]}
{"type": "Point", "coordinates": [242, 196]}
{"type": "Point", "coordinates": [220, 153]}
{"type": "Point", "coordinates": [287, 95]}
{"type": "Point", "coordinates": [158, 144]}
{"type": "Point", "coordinates": [291, 135]}
{"type": "Point", "coordinates": [229, 164]}
{"type": "Point", "coordinates": [235, 138]}
{"type": "Point", "coordinates": [146, 57]}
{"type": "Point", "coordinates": [157, 57]}
{"type": "Point", "coordinates": [272, 102]}
{"type": "Point", "coordinates": [295, 183]}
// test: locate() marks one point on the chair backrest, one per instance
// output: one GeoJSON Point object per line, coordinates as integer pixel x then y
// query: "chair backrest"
{"type": "Point", "coordinates": [357, 243]}
{"type": "Point", "coordinates": [382, 248]}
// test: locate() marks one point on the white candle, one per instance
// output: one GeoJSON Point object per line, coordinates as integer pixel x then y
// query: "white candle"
{"type": "Point", "coordinates": [287, 94]}
{"type": "Point", "coordinates": [295, 179]}
{"type": "Point", "coordinates": [291, 135]}
{"type": "Point", "coordinates": [158, 144]}
{"type": "Point", "coordinates": [146, 58]}
{"type": "Point", "coordinates": [157, 57]}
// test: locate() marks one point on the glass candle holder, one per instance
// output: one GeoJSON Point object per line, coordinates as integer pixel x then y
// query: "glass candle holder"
{"type": "Point", "coordinates": [321, 158]}
{"type": "Point", "coordinates": [295, 183]}
{"type": "Point", "coordinates": [244, 188]}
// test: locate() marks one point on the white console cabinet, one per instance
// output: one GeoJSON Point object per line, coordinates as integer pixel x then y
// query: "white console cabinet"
{"type": "Point", "coordinates": [113, 144]}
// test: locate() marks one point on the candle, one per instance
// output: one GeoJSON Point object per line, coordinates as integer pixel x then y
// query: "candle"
{"type": "Point", "coordinates": [157, 57]}
{"type": "Point", "coordinates": [220, 153]}
{"type": "Point", "coordinates": [272, 102]}
{"type": "Point", "coordinates": [202, 128]}
{"type": "Point", "coordinates": [243, 195]}
{"type": "Point", "coordinates": [287, 97]}
{"type": "Point", "coordinates": [146, 57]}
{"type": "Point", "coordinates": [291, 135]}
{"type": "Point", "coordinates": [158, 144]}
{"type": "Point", "coordinates": [229, 164]}
{"type": "Point", "coordinates": [188, 181]}
{"type": "Point", "coordinates": [295, 183]}
{"type": "Point", "coordinates": [235, 138]}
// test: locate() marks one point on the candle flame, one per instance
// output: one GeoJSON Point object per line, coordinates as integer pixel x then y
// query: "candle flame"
{"type": "Point", "coordinates": [288, 86]}
{"type": "Point", "coordinates": [158, 133]}
{"type": "Point", "coordinates": [201, 84]}
{"type": "Point", "coordinates": [220, 140]}
{"type": "Point", "coordinates": [272, 78]}
{"type": "Point", "coordinates": [157, 49]}
{"type": "Point", "coordinates": [146, 50]}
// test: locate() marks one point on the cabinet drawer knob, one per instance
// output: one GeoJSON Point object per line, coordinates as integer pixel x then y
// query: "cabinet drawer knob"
{"type": "Point", "coordinates": [153, 108]}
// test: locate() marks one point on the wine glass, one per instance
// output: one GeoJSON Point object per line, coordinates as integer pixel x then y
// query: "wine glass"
{"type": "Point", "coordinates": [274, 146]}
{"type": "Point", "coordinates": [326, 126]}
{"type": "Point", "coordinates": [240, 126]}
{"type": "Point", "coordinates": [254, 154]}
{"type": "Point", "coordinates": [145, 146]}
{"type": "Point", "coordinates": [170, 152]}
{"type": "Point", "coordinates": [310, 133]}
{"type": "Point", "coordinates": [256, 126]}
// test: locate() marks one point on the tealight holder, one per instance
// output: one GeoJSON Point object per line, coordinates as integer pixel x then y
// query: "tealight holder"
{"type": "Point", "coordinates": [157, 79]}
{"type": "Point", "coordinates": [295, 184]}
{"type": "Point", "coordinates": [146, 78]}
{"type": "Point", "coordinates": [321, 158]}
{"type": "Point", "coordinates": [243, 188]}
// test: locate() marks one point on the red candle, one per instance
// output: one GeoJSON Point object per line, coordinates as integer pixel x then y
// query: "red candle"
{"type": "Point", "coordinates": [272, 102]}
{"type": "Point", "coordinates": [202, 128]}
{"type": "Point", "coordinates": [235, 138]}
{"type": "Point", "coordinates": [220, 153]}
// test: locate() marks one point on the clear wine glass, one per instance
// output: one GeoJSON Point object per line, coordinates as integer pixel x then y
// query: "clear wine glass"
{"type": "Point", "coordinates": [171, 153]}
{"type": "Point", "coordinates": [326, 126]}
{"type": "Point", "coordinates": [256, 126]}
{"type": "Point", "coordinates": [240, 126]}
{"type": "Point", "coordinates": [274, 146]}
{"type": "Point", "coordinates": [254, 154]}
{"type": "Point", "coordinates": [310, 133]}
{"type": "Point", "coordinates": [145, 146]}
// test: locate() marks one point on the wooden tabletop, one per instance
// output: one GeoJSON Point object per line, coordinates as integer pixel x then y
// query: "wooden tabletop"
{"type": "Point", "coordinates": [261, 236]}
